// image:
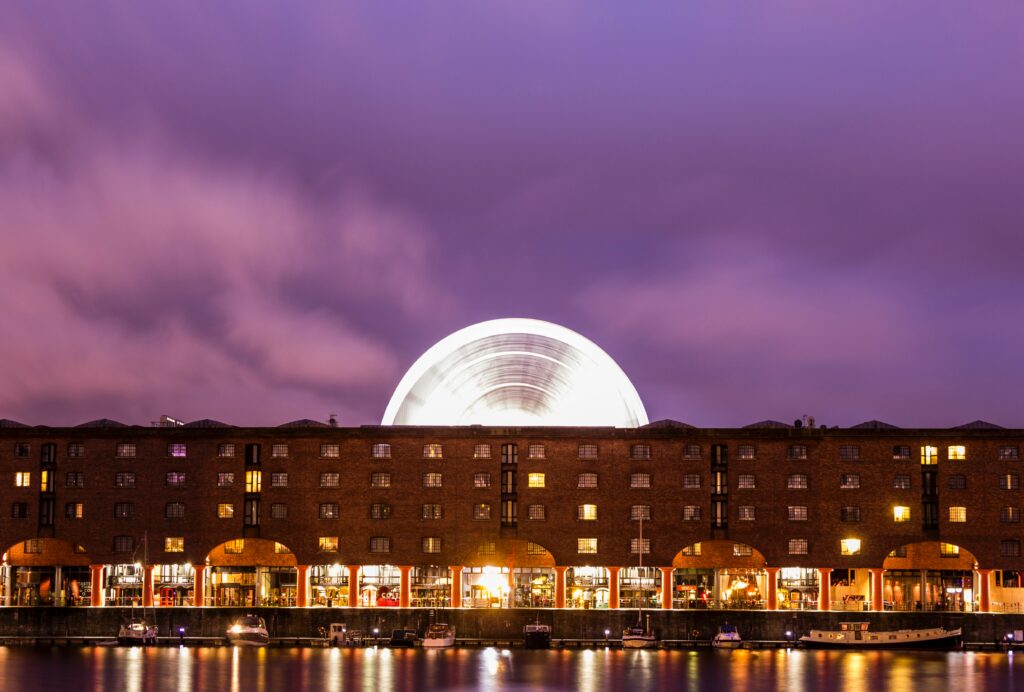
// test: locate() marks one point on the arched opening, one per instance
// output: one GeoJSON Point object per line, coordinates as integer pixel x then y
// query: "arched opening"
{"type": "Point", "coordinates": [247, 572]}
{"type": "Point", "coordinates": [45, 572]}
{"type": "Point", "coordinates": [509, 573]}
{"type": "Point", "coordinates": [929, 575]}
{"type": "Point", "coordinates": [719, 574]}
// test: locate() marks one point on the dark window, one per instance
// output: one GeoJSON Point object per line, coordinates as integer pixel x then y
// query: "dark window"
{"type": "Point", "coordinates": [509, 454]}
{"type": "Point", "coordinates": [957, 482]}
{"type": "Point", "coordinates": [252, 512]}
{"type": "Point", "coordinates": [19, 510]}
{"type": "Point", "coordinates": [380, 510]}
{"type": "Point", "coordinates": [901, 482]}
{"type": "Point", "coordinates": [124, 510]}
{"type": "Point", "coordinates": [849, 514]}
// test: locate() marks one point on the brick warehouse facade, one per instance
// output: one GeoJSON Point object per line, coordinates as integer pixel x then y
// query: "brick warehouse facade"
{"type": "Point", "coordinates": [768, 516]}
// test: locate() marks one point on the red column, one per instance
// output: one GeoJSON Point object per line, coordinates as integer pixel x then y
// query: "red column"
{"type": "Point", "coordinates": [405, 586]}
{"type": "Point", "coordinates": [302, 586]}
{"type": "Point", "coordinates": [984, 605]}
{"type": "Point", "coordinates": [877, 595]}
{"type": "Point", "coordinates": [199, 586]}
{"type": "Point", "coordinates": [97, 585]}
{"type": "Point", "coordinates": [560, 587]}
{"type": "Point", "coordinates": [353, 585]}
{"type": "Point", "coordinates": [773, 587]}
{"type": "Point", "coordinates": [613, 587]}
{"type": "Point", "coordinates": [456, 595]}
{"type": "Point", "coordinates": [147, 586]}
{"type": "Point", "coordinates": [824, 588]}
{"type": "Point", "coordinates": [666, 588]}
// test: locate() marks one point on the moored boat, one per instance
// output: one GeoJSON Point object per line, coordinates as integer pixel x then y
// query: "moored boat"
{"type": "Point", "coordinates": [136, 632]}
{"type": "Point", "coordinates": [249, 630]}
{"type": "Point", "coordinates": [857, 635]}
{"type": "Point", "coordinates": [439, 636]}
{"type": "Point", "coordinates": [403, 639]}
{"type": "Point", "coordinates": [728, 637]}
{"type": "Point", "coordinates": [537, 636]}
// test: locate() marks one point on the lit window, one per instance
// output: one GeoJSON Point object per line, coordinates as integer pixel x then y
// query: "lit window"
{"type": "Point", "coordinates": [431, 544]}
{"type": "Point", "coordinates": [74, 510]}
{"type": "Point", "coordinates": [253, 481]}
{"type": "Point", "coordinates": [958, 482]}
{"type": "Point", "coordinates": [329, 544]}
{"type": "Point", "coordinates": [433, 451]}
{"type": "Point", "coordinates": [122, 544]}
{"type": "Point", "coordinates": [1009, 515]}
{"type": "Point", "coordinates": [797, 481]}
{"type": "Point", "coordinates": [281, 549]}
{"type": "Point", "coordinates": [1009, 453]}
{"type": "Point", "coordinates": [486, 548]}
{"type": "Point", "coordinates": [691, 480]}
{"type": "Point", "coordinates": [639, 545]}
{"type": "Point", "coordinates": [278, 510]}
{"type": "Point", "coordinates": [45, 481]}
{"type": "Point", "coordinates": [536, 513]}
{"type": "Point", "coordinates": [1009, 481]}
{"type": "Point", "coordinates": [482, 511]}
{"type": "Point", "coordinates": [177, 449]}
{"type": "Point", "coordinates": [330, 451]}
{"type": "Point", "coordinates": [76, 449]}
{"type": "Point", "coordinates": [691, 452]}
{"type": "Point", "coordinates": [958, 515]}
{"type": "Point", "coordinates": [174, 544]}
{"type": "Point", "coordinates": [745, 452]}
{"type": "Point", "coordinates": [849, 514]}
{"type": "Point", "coordinates": [586, 546]}
{"type": "Point", "coordinates": [900, 513]}
{"type": "Point", "coordinates": [481, 480]}
{"type": "Point", "coordinates": [949, 550]}
{"type": "Point", "coordinates": [124, 510]}
{"type": "Point", "coordinates": [226, 449]}
{"type": "Point", "coordinates": [329, 510]}
{"type": "Point", "coordinates": [746, 513]}
{"type": "Point", "coordinates": [1009, 548]}
{"type": "Point", "coordinates": [691, 513]}
{"type": "Point", "coordinates": [482, 452]}
{"type": "Point", "coordinates": [849, 546]}
{"type": "Point", "coordinates": [899, 552]}
{"type": "Point", "coordinates": [586, 512]}
{"type": "Point", "coordinates": [849, 452]}
{"type": "Point", "coordinates": [536, 480]}
{"type": "Point", "coordinates": [929, 455]}
{"type": "Point", "coordinates": [535, 548]}
{"type": "Point", "coordinates": [124, 479]}
{"type": "Point", "coordinates": [330, 480]}
{"type": "Point", "coordinates": [279, 480]}
{"type": "Point", "coordinates": [586, 480]}
{"type": "Point", "coordinates": [797, 513]}
{"type": "Point", "coordinates": [380, 480]}
{"type": "Point", "coordinates": [691, 550]}
{"type": "Point", "coordinates": [22, 479]}
{"type": "Point", "coordinates": [431, 480]}
{"type": "Point", "coordinates": [380, 544]}
{"type": "Point", "coordinates": [640, 452]}
{"type": "Point", "coordinates": [956, 452]}
{"type": "Point", "coordinates": [536, 451]}
{"type": "Point", "coordinates": [380, 510]}
{"type": "Point", "coordinates": [901, 482]}
{"type": "Point", "coordinates": [746, 481]}
{"type": "Point", "coordinates": [279, 451]}
{"type": "Point", "coordinates": [901, 453]}
{"type": "Point", "coordinates": [225, 480]}
{"type": "Point", "coordinates": [797, 452]}
{"type": "Point", "coordinates": [174, 510]}
{"type": "Point", "coordinates": [126, 449]}
{"type": "Point", "coordinates": [431, 511]}
{"type": "Point", "coordinates": [381, 450]}
{"type": "Point", "coordinates": [849, 481]}
{"type": "Point", "coordinates": [741, 550]}
{"type": "Point", "coordinates": [175, 479]}
{"type": "Point", "coordinates": [640, 512]}
{"type": "Point", "coordinates": [586, 452]}
{"type": "Point", "coordinates": [225, 510]}
{"type": "Point", "coordinates": [234, 547]}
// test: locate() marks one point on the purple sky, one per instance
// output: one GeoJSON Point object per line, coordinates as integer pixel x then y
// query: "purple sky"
{"type": "Point", "coordinates": [257, 213]}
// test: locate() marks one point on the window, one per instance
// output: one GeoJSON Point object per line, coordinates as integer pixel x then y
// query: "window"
{"type": "Point", "coordinates": [929, 455]}
{"type": "Point", "coordinates": [797, 452]}
{"type": "Point", "coordinates": [900, 513]}
{"type": "Point", "coordinates": [74, 479]}
{"type": "Point", "coordinates": [1009, 481]}
{"type": "Point", "coordinates": [253, 481]}
{"type": "Point", "coordinates": [849, 481]}
{"type": "Point", "coordinates": [177, 449]}
{"type": "Point", "coordinates": [124, 510]}
{"type": "Point", "coordinates": [380, 510]}
{"type": "Point", "coordinates": [958, 515]}
{"type": "Point", "coordinates": [482, 452]}
{"type": "Point", "coordinates": [174, 544]}
{"type": "Point", "coordinates": [330, 451]}
{"type": "Point", "coordinates": [279, 451]}
{"type": "Point", "coordinates": [586, 546]}
{"type": "Point", "coordinates": [1005, 453]}
{"type": "Point", "coordinates": [957, 482]}
{"type": "Point", "coordinates": [175, 479]}
{"type": "Point", "coordinates": [381, 450]}
{"type": "Point", "coordinates": [949, 550]}
{"type": "Point", "coordinates": [22, 479]}
{"type": "Point", "coordinates": [639, 480]}
{"type": "Point", "coordinates": [431, 544]}
{"type": "Point", "coordinates": [586, 452]}
{"type": "Point", "coordinates": [535, 549]}
{"type": "Point", "coordinates": [21, 449]}
{"type": "Point", "coordinates": [745, 452]}
{"type": "Point", "coordinates": [901, 453]}
{"type": "Point", "coordinates": [380, 544]}
{"type": "Point", "coordinates": [1009, 548]}
{"type": "Point", "coordinates": [123, 544]}
{"type": "Point", "coordinates": [746, 513]}
{"type": "Point", "coordinates": [536, 451]}
{"type": "Point", "coordinates": [741, 550]}
{"type": "Point", "coordinates": [124, 479]}
{"type": "Point", "coordinates": [849, 452]}
{"type": "Point", "coordinates": [691, 480]}
{"type": "Point", "coordinates": [1009, 515]}
{"type": "Point", "coordinates": [899, 552]}
{"type": "Point", "coordinates": [849, 546]}
{"type": "Point", "coordinates": [279, 480]}
{"type": "Point", "coordinates": [746, 481]}
{"type": "Point", "coordinates": [640, 452]}
{"type": "Point", "coordinates": [956, 453]}
{"type": "Point", "coordinates": [329, 544]}
{"type": "Point", "coordinates": [174, 510]}
{"type": "Point", "coordinates": [225, 510]}
{"type": "Point", "coordinates": [691, 513]}
{"type": "Point", "coordinates": [901, 482]}
{"type": "Point", "coordinates": [849, 514]}
{"type": "Point", "coordinates": [586, 512]}
{"type": "Point", "coordinates": [797, 513]}
{"type": "Point", "coordinates": [19, 510]}
{"type": "Point", "coordinates": [691, 452]}
{"type": "Point", "coordinates": [126, 449]}
{"type": "Point", "coordinates": [74, 510]}
{"type": "Point", "coordinates": [380, 480]}
{"type": "Point", "coordinates": [482, 511]}
{"type": "Point", "coordinates": [536, 480]}
{"type": "Point", "coordinates": [639, 546]}
{"type": "Point", "coordinates": [330, 480]}
{"type": "Point", "coordinates": [481, 480]}
{"type": "Point", "coordinates": [225, 480]}
{"type": "Point", "coordinates": [278, 510]}
{"type": "Point", "coordinates": [797, 481]}
{"type": "Point", "coordinates": [486, 548]}
{"type": "Point", "coordinates": [640, 512]}
{"type": "Point", "coordinates": [225, 450]}
{"type": "Point", "coordinates": [536, 513]}
{"type": "Point", "coordinates": [329, 510]}
{"type": "Point", "coordinates": [76, 449]}
{"type": "Point", "coordinates": [432, 480]}
{"type": "Point", "coordinates": [797, 546]}
{"type": "Point", "coordinates": [431, 511]}
{"type": "Point", "coordinates": [433, 451]}
{"type": "Point", "coordinates": [586, 480]}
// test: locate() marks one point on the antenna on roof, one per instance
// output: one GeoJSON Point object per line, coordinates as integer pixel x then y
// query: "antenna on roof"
{"type": "Point", "coordinates": [332, 420]}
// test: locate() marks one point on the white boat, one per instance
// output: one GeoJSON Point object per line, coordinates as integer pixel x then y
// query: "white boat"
{"type": "Point", "coordinates": [857, 635]}
{"type": "Point", "coordinates": [136, 632]}
{"type": "Point", "coordinates": [249, 630]}
{"type": "Point", "coordinates": [439, 636]}
{"type": "Point", "coordinates": [728, 637]}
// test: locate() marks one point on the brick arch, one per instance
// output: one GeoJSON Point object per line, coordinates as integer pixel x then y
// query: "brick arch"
{"type": "Point", "coordinates": [508, 552]}
{"type": "Point", "coordinates": [925, 555]}
{"type": "Point", "coordinates": [719, 553]}
{"type": "Point", "coordinates": [55, 551]}
{"type": "Point", "coordinates": [255, 551]}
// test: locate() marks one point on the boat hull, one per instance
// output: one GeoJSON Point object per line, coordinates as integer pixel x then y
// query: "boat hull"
{"type": "Point", "coordinates": [439, 643]}
{"type": "Point", "coordinates": [249, 639]}
{"type": "Point", "coordinates": [941, 642]}
{"type": "Point", "coordinates": [639, 643]}
{"type": "Point", "coordinates": [726, 643]}
{"type": "Point", "coordinates": [537, 640]}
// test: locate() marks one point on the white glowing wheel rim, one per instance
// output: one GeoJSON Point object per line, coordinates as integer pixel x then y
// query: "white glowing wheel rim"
{"type": "Point", "coordinates": [516, 372]}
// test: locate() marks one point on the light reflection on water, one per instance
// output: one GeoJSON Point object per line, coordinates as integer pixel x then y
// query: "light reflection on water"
{"type": "Point", "coordinates": [376, 670]}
